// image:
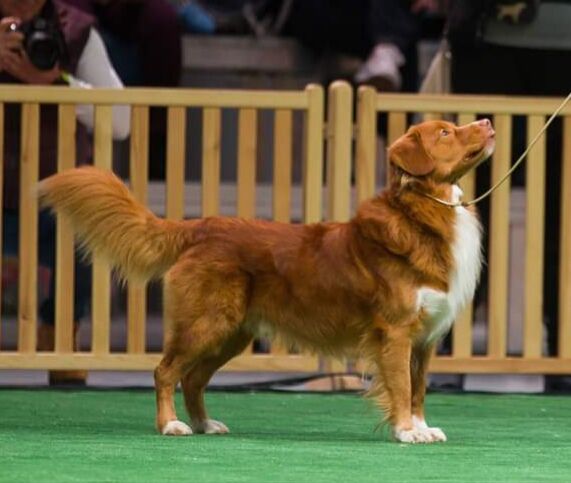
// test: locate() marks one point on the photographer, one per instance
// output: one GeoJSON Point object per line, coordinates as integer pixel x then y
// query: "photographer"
{"type": "Point", "coordinates": [43, 42]}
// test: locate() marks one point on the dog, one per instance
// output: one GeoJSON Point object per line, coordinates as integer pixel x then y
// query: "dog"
{"type": "Point", "coordinates": [385, 286]}
{"type": "Point", "coordinates": [512, 12]}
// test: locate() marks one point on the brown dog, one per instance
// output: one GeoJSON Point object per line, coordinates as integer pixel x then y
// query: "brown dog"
{"type": "Point", "coordinates": [384, 286]}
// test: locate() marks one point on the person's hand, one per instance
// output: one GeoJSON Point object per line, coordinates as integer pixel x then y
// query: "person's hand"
{"type": "Point", "coordinates": [19, 66]}
{"type": "Point", "coordinates": [10, 40]}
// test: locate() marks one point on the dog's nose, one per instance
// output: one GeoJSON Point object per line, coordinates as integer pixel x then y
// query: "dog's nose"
{"type": "Point", "coordinates": [485, 123]}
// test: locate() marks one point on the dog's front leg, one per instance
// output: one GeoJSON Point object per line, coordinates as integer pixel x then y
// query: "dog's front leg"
{"type": "Point", "coordinates": [421, 354]}
{"type": "Point", "coordinates": [392, 348]}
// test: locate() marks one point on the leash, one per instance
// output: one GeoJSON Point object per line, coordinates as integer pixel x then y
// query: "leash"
{"type": "Point", "coordinates": [513, 168]}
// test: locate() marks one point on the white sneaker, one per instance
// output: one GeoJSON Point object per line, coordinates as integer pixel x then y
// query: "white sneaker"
{"type": "Point", "coordinates": [381, 68]}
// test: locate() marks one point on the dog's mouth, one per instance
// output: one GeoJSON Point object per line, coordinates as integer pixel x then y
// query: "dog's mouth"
{"type": "Point", "coordinates": [477, 156]}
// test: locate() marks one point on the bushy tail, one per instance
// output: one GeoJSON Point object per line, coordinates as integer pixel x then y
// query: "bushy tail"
{"type": "Point", "coordinates": [110, 222]}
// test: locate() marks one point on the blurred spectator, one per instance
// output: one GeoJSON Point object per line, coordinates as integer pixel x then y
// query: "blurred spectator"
{"type": "Point", "coordinates": [143, 38]}
{"type": "Point", "coordinates": [82, 60]}
{"type": "Point", "coordinates": [519, 48]}
{"type": "Point", "coordinates": [381, 32]}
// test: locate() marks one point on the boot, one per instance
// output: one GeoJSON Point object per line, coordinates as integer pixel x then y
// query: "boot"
{"type": "Point", "coordinates": [46, 342]}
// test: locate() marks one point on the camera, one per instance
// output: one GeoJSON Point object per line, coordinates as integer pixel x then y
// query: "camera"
{"type": "Point", "coordinates": [43, 42]}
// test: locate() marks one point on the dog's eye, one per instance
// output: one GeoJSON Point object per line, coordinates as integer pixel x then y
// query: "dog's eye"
{"type": "Point", "coordinates": [444, 132]}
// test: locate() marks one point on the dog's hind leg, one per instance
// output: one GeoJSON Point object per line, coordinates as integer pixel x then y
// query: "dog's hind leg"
{"type": "Point", "coordinates": [167, 375]}
{"type": "Point", "coordinates": [192, 351]}
{"type": "Point", "coordinates": [206, 309]}
{"type": "Point", "coordinates": [195, 381]}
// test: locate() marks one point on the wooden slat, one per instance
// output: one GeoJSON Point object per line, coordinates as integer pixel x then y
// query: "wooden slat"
{"type": "Point", "coordinates": [211, 162]}
{"type": "Point", "coordinates": [283, 156]}
{"type": "Point", "coordinates": [176, 148]}
{"type": "Point", "coordinates": [504, 365]}
{"type": "Point", "coordinates": [431, 116]}
{"type": "Point", "coordinates": [366, 144]}
{"type": "Point", "coordinates": [313, 159]}
{"type": "Point", "coordinates": [1, 199]}
{"type": "Point", "coordinates": [396, 128]}
{"type": "Point", "coordinates": [64, 276]}
{"type": "Point", "coordinates": [281, 199]}
{"type": "Point", "coordinates": [139, 175]}
{"type": "Point", "coordinates": [339, 122]}
{"type": "Point", "coordinates": [472, 104]}
{"type": "Point", "coordinates": [247, 150]}
{"type": "Point", "coordinates": [176, 127]}
{"type": "Point", "coordinates": [564, 349]}
{"type": "Point", "coordinates": [285, 100]}
{"type": "Point", "coordinates": [499, 241]}
{"type": "Point", "coordinates": [289, 363]}
{"type": "Point", "coordinates": [218, 98]}
{"type": "Point", "coordinates": [339, 140]}
{"type": "Point", "coordinates": [534, 226]}
{"type": "Point", "coordinates": [147, 362]}
{"type": "Point", "coordinates": [101, 295]}
{"type": "Point", "coordinates": [28, 243]}
{"type": "Point", "coordinates": [462, 332]}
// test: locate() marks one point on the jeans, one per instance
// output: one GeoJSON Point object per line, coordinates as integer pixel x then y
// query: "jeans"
{"type": "Point", "coordinates": [46, 258]}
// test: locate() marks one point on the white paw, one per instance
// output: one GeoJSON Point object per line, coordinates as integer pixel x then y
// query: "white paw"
{"type": "Point", "coordinates": [176, 428]}
{"type": "Point", "coordinates": [419, 435]}
{"type": "Point", "coordinates": [210, 426]}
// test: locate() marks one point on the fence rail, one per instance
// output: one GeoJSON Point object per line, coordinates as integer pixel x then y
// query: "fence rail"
{"type": "Point", "coordinates": [350, 164]}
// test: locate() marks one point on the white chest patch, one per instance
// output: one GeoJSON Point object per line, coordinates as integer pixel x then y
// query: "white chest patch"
{"type": "Point", "coordinates": [443, 308]}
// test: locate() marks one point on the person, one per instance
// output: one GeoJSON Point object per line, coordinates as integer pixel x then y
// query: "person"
{"type": "Point", "coordinates": [80, 58]}
{"type": "Point", "coordinates": [144, 41]}
{"type": "Point", "coordinates": [383, 33]}
{"type": "Point", "coordinates": [500, 47]}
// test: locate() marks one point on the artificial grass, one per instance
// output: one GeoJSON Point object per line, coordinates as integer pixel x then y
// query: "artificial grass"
{"type": "Point", "coordinates": [63, 436]}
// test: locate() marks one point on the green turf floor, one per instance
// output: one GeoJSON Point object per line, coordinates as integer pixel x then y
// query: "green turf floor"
{"type": "Point", "coordinates": [51, 436]}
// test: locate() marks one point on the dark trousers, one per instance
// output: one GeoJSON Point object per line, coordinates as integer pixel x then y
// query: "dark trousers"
{"type": "Point", "coordinates": [353, 26]}
{"type": "Point", "coordinates": [493, 69]}
{"type": "Point", "coordinates": [46, 258]}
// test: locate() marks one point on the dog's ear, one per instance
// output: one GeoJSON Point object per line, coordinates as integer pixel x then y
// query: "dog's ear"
{"type": "Point", "coordinates": [409, 154]}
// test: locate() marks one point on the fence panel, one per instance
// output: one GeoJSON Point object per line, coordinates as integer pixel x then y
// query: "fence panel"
{"type": "Point", "coordinates": [177, 103]}
{"type": "Point", "coordinates": [400, 108]}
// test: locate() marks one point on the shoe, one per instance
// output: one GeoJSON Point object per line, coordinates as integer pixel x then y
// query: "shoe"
{"type": "Point", "coordinates": [382, 69]}
{"type": "Point", "coordinates": [46, 342]}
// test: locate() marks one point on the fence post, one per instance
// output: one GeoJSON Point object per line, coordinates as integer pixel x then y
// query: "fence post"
{"type": "Point", "coordinates": [28, 243]}
{"type": "Point", "coordinates": [498, 276]}
{"type": "Point", "coordinates": [65, 275]}
{"type": "Point", "coordinates": [339, 144]}
{"type": "Point", "coordinates": [313, 160]}
{"type": "Point", "coordinates": [366, 143]}
{"type": "Point", "coordinates": [564, 349]}
{"type": "Point", "coordinates": [101, 275]}
{"type": "Point", "coordinates": [339, 141]}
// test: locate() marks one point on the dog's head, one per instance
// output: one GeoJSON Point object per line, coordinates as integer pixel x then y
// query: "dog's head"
{"type": "Point", "coordinates": [441, 150]}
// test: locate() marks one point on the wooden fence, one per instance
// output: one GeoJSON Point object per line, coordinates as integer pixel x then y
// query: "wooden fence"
{"type": "Point", "coordinates": [351, 165]}
{"type": "Point", "coordinates": [464, 109]}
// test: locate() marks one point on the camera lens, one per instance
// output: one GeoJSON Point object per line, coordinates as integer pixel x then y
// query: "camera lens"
{"type": "Point", "coordinates": [43, 52]}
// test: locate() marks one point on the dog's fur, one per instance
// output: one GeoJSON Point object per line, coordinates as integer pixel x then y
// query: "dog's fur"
{"type": "Point", "coordinates": [385, 286]}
